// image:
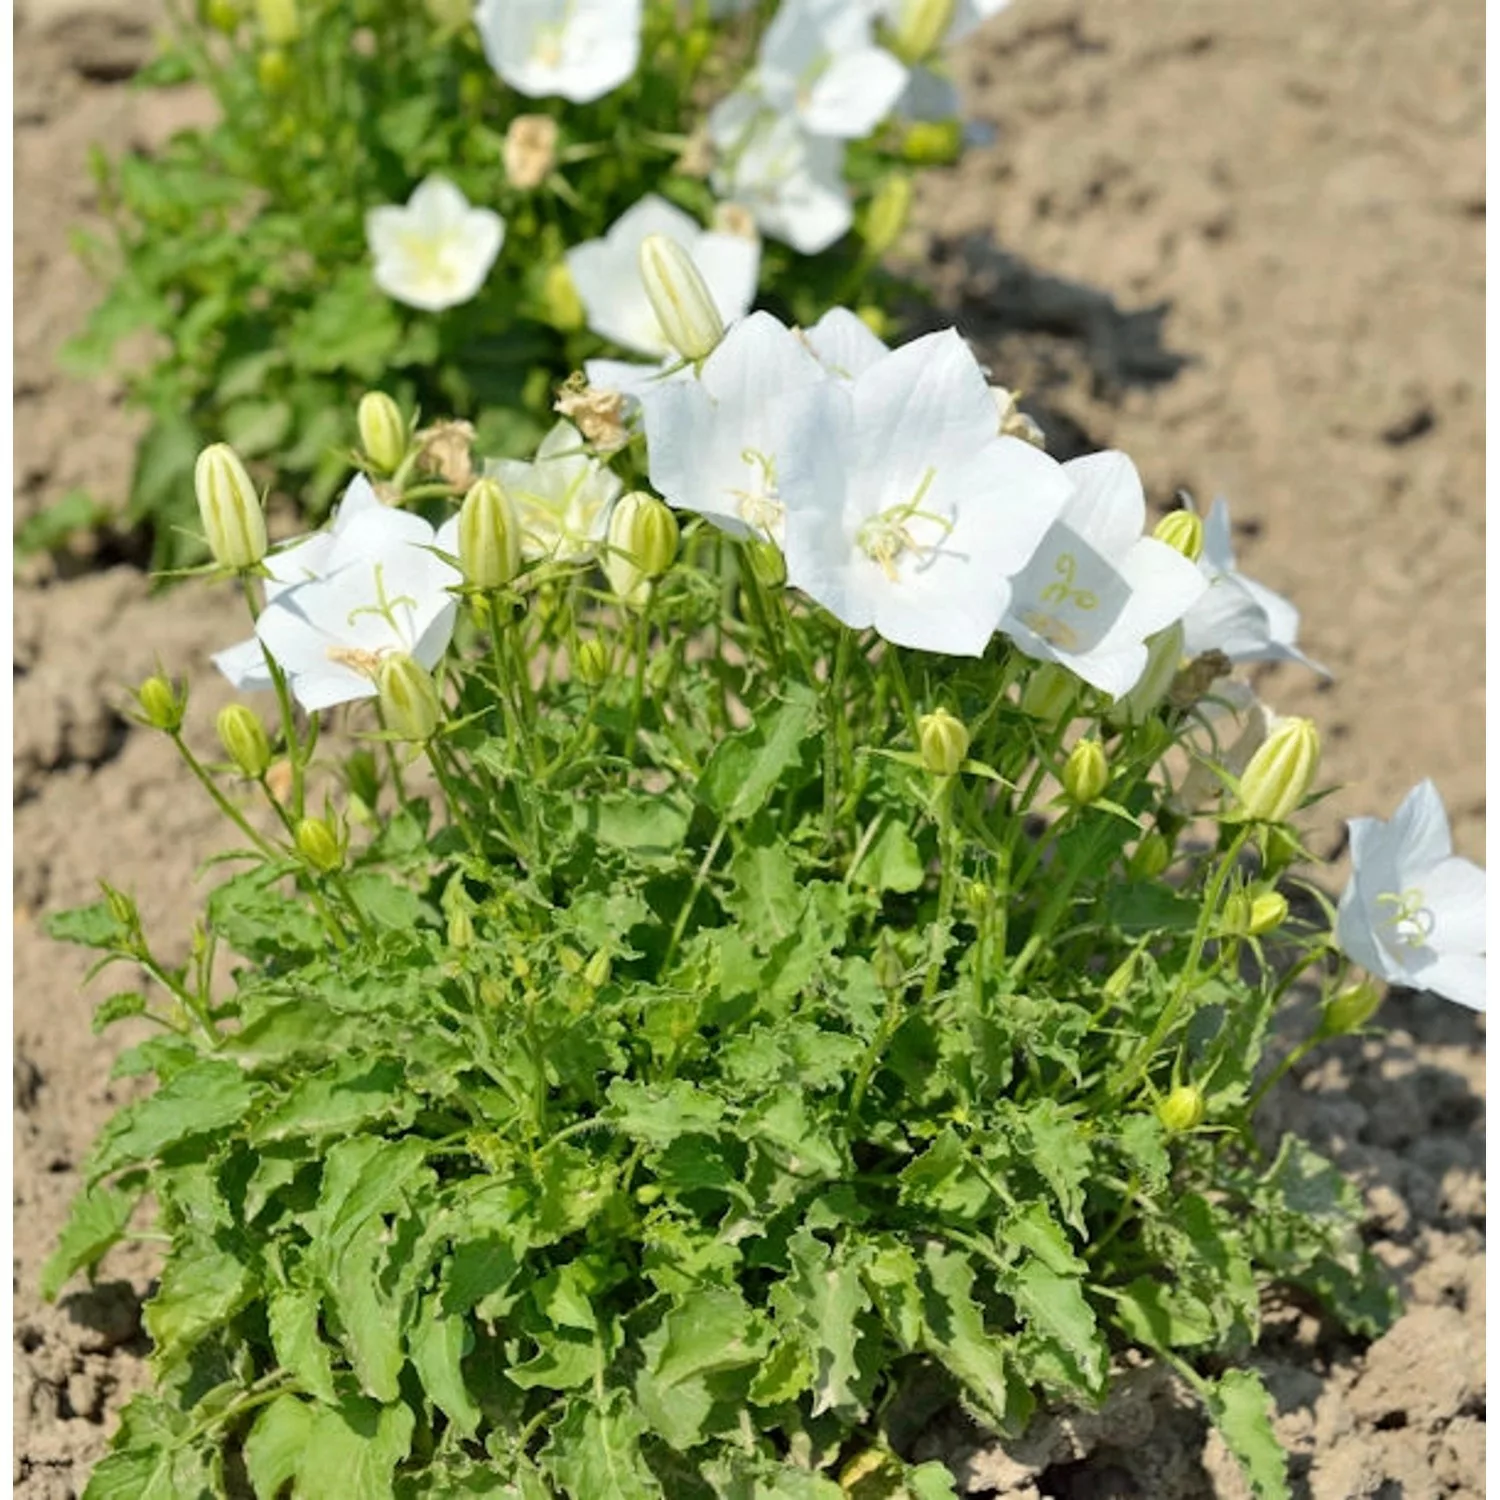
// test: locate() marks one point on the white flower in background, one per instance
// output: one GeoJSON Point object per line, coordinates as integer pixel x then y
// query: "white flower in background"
{"type": "Point", "coordinates": [1096, 587]}
{"type": "Point", "coordinates": [792, 182]}
{"type": "Point", "coordinates": [436, 251]}
{"type": "Point", "coordinates": [1238, 616]}
{"type": "Point", "coordinates": [562, 497]}
{"type": "Point", "coordinates": [1413, 912]}
{"type": "Point", "coordinates": [845, 345]}
{"type": "Point", "coordinates": [819, 64]}
{"type": "Point", "coordinates": [932, 25]}
{"type": "Point", "coordinates": [384, 591]}
{"type": "Point", "coordinates": [305, 558]}
{"type": "Point", "coordinates": [571, 49]}
{"type": "Point", "coordinates": [607, 275]}
{"type": "Point", "coordinates": [905, 508]}
{"type": "Point", "coordinates": [716, 443]}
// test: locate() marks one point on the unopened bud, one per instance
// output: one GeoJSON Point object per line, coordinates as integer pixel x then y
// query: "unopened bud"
{"type": "Point", "coordinates": [1250, 913]}
{"type": "Point", "coordinates": [273, 70]}
{"type": "Point", "coordinates": [592, 662]}
{"type": "Point", "coordinates": [1182, 1109]}
{"type": "Point", "coordinates": [1152, 855]}
{"type": "Point", "coordinates": [163, 707]}
{"type": "Point", "coordinates": [409, 702]}
{"type": "Point", "coordinates": [489, 538]}
{"type": "Point", "coordinates": [1352, 1007]}
{"type": "Point", "coordinates": [1086, 772]}
{"type": "Point", "coordinates": [122, 908]}
{"type": "Point", "coordinates": [279, 22]}
{"type": "Point", "coordinates": [230, 509]}
{"type": "Point", "coordinates": [460, 928]}
{"type": "Point", "coordinates": [1117, 986]}
{"type": "Point", "coordinates": [596, 970]}
{"type": "Point", "coordinates": [932, 143]}
{"type": "Point", "coordinates": [529, 151]}
{"type": "Point", "coordinates": [223, 15]}
{"type": "Point", "coordinates": [382, 431]}
{"type": "Point", "coordinates": [886, 217]}
{"type": "Point", "coordinates": [943, 741]}
{"type": "Point", "coordinates": [890, 972]}
{"type": "Point", "coordinates": [642, 542]}
{"type": "Point", "coordinates": [921, 27]}
{"type": "Point", "coordinates": [319, 844]}
{"type": "Point", "coordinates": [243, 737]}
{"type": "Point", "coordinates": [1163, 657]}
{"type": "Point", "coordinates": [1182, 531]}
{"type": "Point", "coordinates": [684, 306]}
{"type": "Point", "coordinates": [1280, 772]}
{"type": "Point", "coordinates": [1049, 694]}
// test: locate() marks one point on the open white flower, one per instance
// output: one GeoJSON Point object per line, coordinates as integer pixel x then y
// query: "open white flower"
{"type": "Point", "coordinates": [436, 251]}
{"type": "Point", "coordinates": [562, 496]}
{"type": "Point", "coordinates": [905, 508]}
{"type": "Point", "coordinates": [1413, 912]}
{"type": "Point", "coordinates": [571, 49]}
{"type": "Point", "coordinates": [1096, 587]}
{"type": "Point", "coordinates": [844, 343]}
{"type": "Point", "coordinates": [384, 591]}
{"type": "Point", "coordinates": [301, 560]}
{"type": "Point", "coordinates": [792, 182]}
{"type": "Point", "coordinates": [716, 443]}
{"type": "Point", "coordinates": [1238, 616]}
{"type": "Point", "coordinates": [606, 273]}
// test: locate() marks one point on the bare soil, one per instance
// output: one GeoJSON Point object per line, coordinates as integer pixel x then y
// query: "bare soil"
{"type": "Point", "coordinates": [1242, 242]}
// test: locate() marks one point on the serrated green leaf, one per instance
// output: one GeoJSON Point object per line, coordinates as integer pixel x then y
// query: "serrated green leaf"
{"type": "Point", "coordinates": [566, 1360]}
{"type": "Point", "coordinates": [202, 1287]}
{"type": "Point", "coordinates": [276, 1443]}
{"type": "Point", "coordinates": [91, 926]}
{"type": "Point", "coordinates": [119, 1007]}
{"type": "Point", "coordinates": [292, 1314]}
{"type": "Point", "coordinates": [705, 1331]}
{"type": "Point", "coordinates": [1240, 1406]}
{"type": "Point", "coordinates": [353, 1092]}
{"type": "Point", "coordinates": [96, 1220]}
{"type": "Point", "coordinates": [595, 1451]}
{"type": "Point", "coordinates": [892, 862]}
{"type": "Point", "coordinates": [261, 923]}
{"type": "Point", "coordinates": [1055, 1308]}
{"type": "Point", "coordinates": [745, 768]}
{"type": "Point", "coordinates": [437, 1343]}
{"type": "Point", "coordinates": [658, 1114]}
{"type": "Point", "coordinates": [651, 828]}
{"type": "Point", "coordinates": [353, 1450]}
{"type": "Point", "coordinates": [820, 1303]}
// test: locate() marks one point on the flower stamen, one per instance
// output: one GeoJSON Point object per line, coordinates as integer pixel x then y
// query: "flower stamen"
{"type": "Point", "coordinates": [1411, 921]}
{"type": "Point", "coordinates": [884, 537]}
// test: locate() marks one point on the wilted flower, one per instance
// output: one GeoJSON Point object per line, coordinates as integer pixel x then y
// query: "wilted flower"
{"type": "Point", "coordinates": [562, 497]}
{"type": "Point", "coordinates": [598, 414]}
{"type": "Point", "coordinates": [529, 151]}
{"type": "Point", "coordinates": [572, 49]}
{"type": "Point", "coordinates": [436, 251]}
{"type": "Point", "coordinates": [447, 450]}
{"type": "Point", "coordinates": [1014, 422]}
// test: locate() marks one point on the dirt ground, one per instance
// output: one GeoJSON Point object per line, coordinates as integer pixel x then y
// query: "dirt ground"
{"type": "Point", "coordinates": [1242, 242]}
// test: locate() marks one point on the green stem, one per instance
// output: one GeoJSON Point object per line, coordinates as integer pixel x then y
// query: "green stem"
{"type": "Point", "coordinates": [224, 805]}
{"type": "Point", "coordinates": [699, 881]}
{"type": "Point", "coordinates": [1284, 1067]}
{"type": "Point", "coordinates": [950, 850]}
{"type": "Point", "coordinates": [642, 645]}
{"type": "Point", "coordinates": [873, 1053]}
{"type": "Point", "coordinates": [440, 769]}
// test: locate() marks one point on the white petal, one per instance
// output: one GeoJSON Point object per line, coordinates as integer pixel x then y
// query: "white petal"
{"type": "Point", "coordinates": [1108, 506]}
{"type": "Point", "coordinates": [1164, 586]}
{"type": "Point", "coordinates": [244, 664]}
{"type": "Point", "coordinates": [1453, 890]}
{"type": "Point", "coordinates": [1354, 934]}
{"type": "Point", "coordinates": [854, 94]}
{"type": "Point", "coordinates": [436, 205]}
{"type": "Point", "coordinates": [1419, 831]}
{"type": "Point", "coordinates": [1459, 977]}
{"type": "Point", "coordinates": [844, 343]}
{"type": "Point", "coordinates": [731, 268]}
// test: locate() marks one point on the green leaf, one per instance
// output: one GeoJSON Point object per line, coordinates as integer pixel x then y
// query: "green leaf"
{"type": "Point", "coordinates": [352, 1093]}
{"type": "Point", "coordinates": [594, 1453]}
{"type": "Point", "coordinates": [658, 1114]}
{"type": "Point", "coordinates": [1055, 1308]}
{"type": "Point", "coordinates": [254, 427]}
{"type": "Point", "coordinates": [745, 768]}
{"type": "Point", "coordinates": [652, 827]}
{"type": "Point", "coordinates": [261, 923]}
{"type": "Point", "coordinates": [390, 904]}
{"type": "Point", "coordinates": [276, 1443]}
{"type": "Point", "coordinates": [705, 1331]}
{"type": "Point", "coordinates": [351, 327]}
{"type": "Point", "coordinates": [201, 1288]}
{"type": "Point", "coordinates": [353, 1450]}
{"type": "Point", "coordinates": [96, 1221]}
{"type": "Point", "coordinates": [822, 1299]}
{"type": "Point", "coordinates": [292, 1314]}
{"type": "Point", "coordinates": [892, 862]}
{"type": "Point", "coordinates": [436, 1343]}
{"type": "Point", "coordinates": [1240, 1407]}
{"type": "Point", "coordinates": [371, 1318]}
{"type": "Point", "coordinates": [50, 527]}
{"type": "Point", "coordinates": [91, 926]}
{"type": "Point", "coordinates": [118, 1007]}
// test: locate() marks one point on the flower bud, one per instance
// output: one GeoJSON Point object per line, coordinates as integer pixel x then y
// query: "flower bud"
{"type": "Point", "coordinates": [944, 742]}
{"type": "Point", "coordinates": [223, 15]}
{"type": "Point", "coordinates": [318, 842]}
{"type": "Point", "coordinates": [1280, 772]}
{"type": "Point", "coordinates": [932, 143]}
{"type": "Point", "coordinates": [888, 212]}
{"type": "Point", "coordinates": [642, 542]}
{"type": "Point", "coordinates": [244, 739]}
{"type": "Point", "coordinates": [890, 972]}
{"type": "Point", "coordinates": [489, 538]}
{"type": "Point", "coordinates": [1152, 855]}
{"type": "Point", "coordinates": [1049, 694]}
{"type": "Point", "coordinates": [460, 928]}
{"type": "Point", "coordinates": [1352, 1007]}
{"type": "Point", "coordinates": [684, 306]}
{"type": "Point", "coordinates": [1249, 913]}
{"type": "Point", "coordinates": [1182, 1109]}
{"type": "Point", "coordinates": [230, 509]}
{"type": "Point", "coordinates": [162, 706]}
{"type": "Point", "coordinates": [1163, 657]}
{"type": "Point", "coordinates": [592, 662]}
{"type": "Point", "coordinates": [560, 298]}
{"type": "Point", "coordinates": [1121, 977]}
{"type": "Point", "coordinates": [382, 431]}
{"type": "Point", "coordinates": [122, 908]}
{"type": "Point", "coordinates": [1086, 772]}
{"type": "Point", "coordinates": [409, 701]}
{"type": "Point", "coordinates": [596, 970]}
{"type": "Point", "coordinates": [1182, 531]}
{"type": "Point", "coordinates": [279, 23]}
{"type": "Point", "coordinates": [921, 27]}
{"type": "Point", "coordinates": [529, 151]}
{"type": "Point", "coordinates": [273, 70]}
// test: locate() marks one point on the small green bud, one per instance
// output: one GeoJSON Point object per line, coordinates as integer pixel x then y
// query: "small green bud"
{"type": "Point", "coordinates": [163, 707]}
{"type": "Point", "coordinates": [1280, 772]}
{"type": "Point", "coordinates": [1352, 1007]}
{"type": "Point", "coordinates": [122, 908]}
{"type": "Point", "coordinates": [684, 306]}
{"type": "Point", "coordinates": [1163, 657]}
{"type": "Point", "coordinates": [560, 298]}
{"type": "Point", "coordinates": [943, 741]}
{"type": "Point", "coordinates": [1182, 1109]}
{"type": "Point", "coordinates": [409, 700]}
{"type": "Point", "coordinates": [1049, 694]}
{"type": "Point", "coordinates": [223, 15]}
{"type": "Point", "coordinates": [596, 970]}
{"type": "Point", "coordinates": [230, 509]}
{"type": "Point", "coordinates": [768, 562]}
{"type": "Point", "coordinates": [1085, 773]}
{"type": "Point", "coordinates": [382, 431]}
{"type": "Point", "coordinates": [932, 143]}
{"type": "Point", "coordinates": [920, 28]}
{"type": "Point", "coordinates": [890, 972]}
{"type": "Point", "coordinates": [279, 21]}
{"type": "Point", "coordinates": [460, 928]}
{"type": "Point", "coordinates": [318, 842]}
{"type": "Point", "coordinates": [1250, 913]}
{"type": "Point", "coordinates": [647, 1194]}
{"type": "Point", "coordinates": [1182, 531]}
{"type": "Point", "coordinates": [1152, 855]}
{"type": "Point", "coordinates": [978, 897]}
{"type": "Point", "coordinates": [243, 737]}
{"type": "Point", "coordinates": [273, 70]}
{"type": "Point", "coordinates": [886, 217]}
{"type": "Point", "coordinates": [1117, 986]}
{"type": "Point", "coordinates": [592, 663]}
{"type": "Point", "coordinates": [642, 543]}
{"type": "Point", "coordinates": [489, 536]}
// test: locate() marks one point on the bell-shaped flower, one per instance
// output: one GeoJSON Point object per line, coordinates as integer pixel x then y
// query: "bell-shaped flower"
{"type": "Point", "coordinates": [303, 559]}
{"type": "Point", "coordinates": [844, 344]}
{"type": "Point", "coordinates": [716, 444]}
{"type": "Point", "coordinates": [1238, 616]}
{"type": "Point", "coordinates": [606, 273]}
{"type": "Point", "coordinates": [436, 251]}
{"type": "Point", "coordinates": [385, 590]}
{"type": "Point", "coordinates": [1413, 911]}
{"type": "Point", "coordinates": [791, 182]}
{"type": "Point", "coordinates": [1096, 588]}
{"type": "Point", "coordinates": [561, 497]}
{"type": "Point", "coordinates": [964, 17]}
{"type": "Point", "coordinates": [578, 50]}
{"type": "Point", "coordinates": [905, 507]}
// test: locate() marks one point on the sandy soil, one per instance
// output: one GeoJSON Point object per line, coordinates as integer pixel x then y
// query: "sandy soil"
{"type": "Point", "coordinates": [1242, 242]}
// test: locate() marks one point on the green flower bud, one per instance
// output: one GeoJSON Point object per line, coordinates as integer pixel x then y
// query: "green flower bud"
{"type": "Point", "coordinates": [122, 908]}
{"type": "Point", "coordinates": [921, 27]}
{"type": "Point", "coordinates": [1117, 986]}
{"type": "Point", "coordinates": [318, 842]}
{"type": "Point", "coordinates": [1182, 531]}
{"type": "Point", "coordinates": [1086, 772]}
{"type": "Point", "coordinates": [163, 707]}
{"type": "Point", "coordinates": [489, 536]}
{"type": "Point", "coordinates": [596, 970]}
{"type": "Point", "coordinates": [932, 143]}
{"type": "Point", "coordinates": [230, 509]}
{"type": "Point", "coordinates": [767, 561]}
{"type": "Point", "coordinates": [408, 698]}
{"type": "Point", "coordinates": [943, 741]}
{"type": "Point", "coordinates": [223, 15]}
{"type": "Point", "coordinates": [592, 663]}
{"type": "Point", "coordinates": [642, 543]}
{"type": "Point", "coordinates": [684, 306]}
{"type": "Point", "coordinates": [382, 431]}
{"type": "Point", "coordinates": [886, 217]}
{"type": "Point", "coordinates": [279, 22]}
{"type": "Point", "coordinates": [1182, 1109]}
{"type": "Point", "coordinates": [1049, 694]}
{"type": "Point", "coordinates": [273, 70]}
{"type": "Point", "coordinates": [1152, 855]}
{"type": "Point", "coordinates": [890, 972]}
{"type": "Point", "coordinates": [1250, 913]}
{"type": "Point", "coordinates": [1280, 772]}
{"type": "Point", "coordinates": [460, 928]}
{"type": "Point", "coordinates": [560, 298]}
{"type": "Point", "coordinates": [1352, 1007]}
{"type": "Point", "coordinates": [1163, 657]}
{"type": "Point", "coordinates": [647, 1194]}
{"type": "Point", "coordinates": [244, 739]}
